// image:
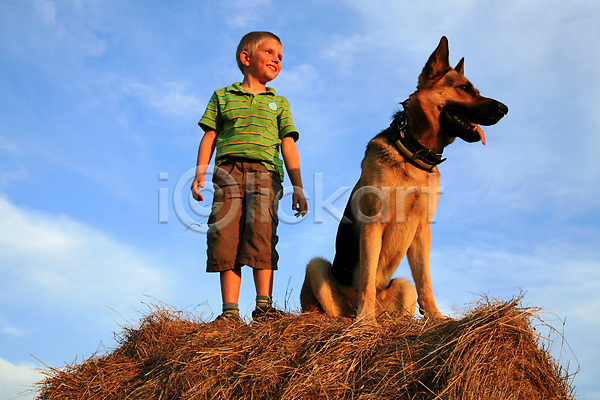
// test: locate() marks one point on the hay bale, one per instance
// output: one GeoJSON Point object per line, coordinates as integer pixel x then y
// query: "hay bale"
{"type": "Point", "coordinates": [492, 352]}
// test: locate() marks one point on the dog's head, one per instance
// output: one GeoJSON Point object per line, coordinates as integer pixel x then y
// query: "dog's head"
{"type": "Point", "coordinates": [451, 100]}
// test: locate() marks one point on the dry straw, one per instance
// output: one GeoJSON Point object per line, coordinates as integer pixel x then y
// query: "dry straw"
{"type": "Point", "coordinates": [491, 352]}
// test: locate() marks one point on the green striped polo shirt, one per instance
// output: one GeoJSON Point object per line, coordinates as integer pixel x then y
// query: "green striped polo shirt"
{"type": "Point", "coordinates": [249, 126]}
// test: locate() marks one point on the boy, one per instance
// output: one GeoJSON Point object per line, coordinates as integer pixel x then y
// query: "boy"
{"type": "Point", "coordinates": [248, 125]}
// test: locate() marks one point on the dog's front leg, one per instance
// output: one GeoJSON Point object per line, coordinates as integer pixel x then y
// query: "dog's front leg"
{"type": "Point", "coordinates": [370, 249]}
{"type": "Point", "coordinates": [418, 259]}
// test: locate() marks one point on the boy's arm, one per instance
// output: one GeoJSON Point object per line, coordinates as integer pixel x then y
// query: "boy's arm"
{"type": "Point", "coordinates": [289, 151]}
{"type": "Point", "coordinates": [205, 151]}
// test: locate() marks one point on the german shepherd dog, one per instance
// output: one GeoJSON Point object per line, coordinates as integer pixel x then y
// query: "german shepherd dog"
{"type": "Point", "coordinates": [391, 206]}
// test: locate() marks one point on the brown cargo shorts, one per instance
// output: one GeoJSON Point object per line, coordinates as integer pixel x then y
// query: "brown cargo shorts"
{"type": "Point", "coordinates": [242, 227]}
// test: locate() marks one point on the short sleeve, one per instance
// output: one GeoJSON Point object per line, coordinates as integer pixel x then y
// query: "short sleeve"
{"type": "Point", "coordinates": [286, 125]}
{"type": "Point", "coordinates": [211, 120]}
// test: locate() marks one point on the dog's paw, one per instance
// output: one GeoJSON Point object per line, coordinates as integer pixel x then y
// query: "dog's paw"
{"type": "Point", "coordinates": [441, 318]}
{"type": "Point", "coordinates": [366, 320]}
{"type": "Point", "coordinates": [435, 315]}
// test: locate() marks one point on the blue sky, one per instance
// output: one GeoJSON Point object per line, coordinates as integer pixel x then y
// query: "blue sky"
{"type": "Point", "coordinates": [97, 97]}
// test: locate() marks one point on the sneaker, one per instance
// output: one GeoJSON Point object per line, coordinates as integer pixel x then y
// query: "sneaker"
{"type": "Point", "coordinates": [267, 313]}
{"type": "Point", "coordinates": [229, 317]}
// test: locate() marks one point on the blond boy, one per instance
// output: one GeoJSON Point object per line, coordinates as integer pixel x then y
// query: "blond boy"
{"type": "Point", "coordinates": [249, 126]}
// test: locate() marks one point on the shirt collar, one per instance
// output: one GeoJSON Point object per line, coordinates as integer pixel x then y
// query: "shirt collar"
{"type": "Point", "coordinates": [236, 87]}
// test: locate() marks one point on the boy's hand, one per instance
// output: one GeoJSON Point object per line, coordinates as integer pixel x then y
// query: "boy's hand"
{"type": "Point", "coordinates": [299, 203]}
{"type": "Point", "coordinates": [292, 164]}
{"type": "Point", "coordinates": [197, 185]}
{"type": "Point", "coordinates": [207, 146]}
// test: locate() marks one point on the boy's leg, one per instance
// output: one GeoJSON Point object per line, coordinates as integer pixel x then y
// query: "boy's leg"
{"type": "Point", "coordinates": [263, 281]}
{"type": "Point", "coordinates": [230, 290]}
{"type": "Point", "coordinates": [231, 281]}
{"type": "Point", "coordinates": [223, 235]}
{"type": "Point", "coordinates": [259, 237]}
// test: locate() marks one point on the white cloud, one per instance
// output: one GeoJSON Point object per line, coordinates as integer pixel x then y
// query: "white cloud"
{"type": "Point", "coordinates": [245, 13]}
{"type": "Point", "coordinates": [45, 9]}
{"type": "Point", "coordinates": [343, 51]}
{"type": "Point", "coordinates": [68, 262]}
{"type": "Point", "coordinates": [13, 174]}
{"type": "Point", "coordinates": [8, 145]}
{"type": "Point", "coordinates": [414, 24]}
{"type": "Point", "coordinates": [18, 379]}
{"type": "Point", "coordinates": [171, 98]}
{"type": "Point", "coordinates": [42, 32]}
{"type": "Point", "coordinates": [302, 79]}
{"type": "Point", "coordinates": [8, 329]}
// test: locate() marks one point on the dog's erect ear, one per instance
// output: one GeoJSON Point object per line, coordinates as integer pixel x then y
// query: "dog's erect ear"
{"type": "Point", "coordinates": [437, 65]}
{"type": "Point", "coordinates": [460, 67]}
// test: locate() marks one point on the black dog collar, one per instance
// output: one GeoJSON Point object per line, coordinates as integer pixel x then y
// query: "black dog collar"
{"type": "Point", "coordinates": [414, 152]}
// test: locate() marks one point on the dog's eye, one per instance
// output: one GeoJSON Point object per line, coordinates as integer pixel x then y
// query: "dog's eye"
{"type": "Point", "coordinates": [466, 88]}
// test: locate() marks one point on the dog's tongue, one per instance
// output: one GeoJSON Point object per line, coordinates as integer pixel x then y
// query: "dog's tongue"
{"type": "Point", "coordinates": [478, 129]}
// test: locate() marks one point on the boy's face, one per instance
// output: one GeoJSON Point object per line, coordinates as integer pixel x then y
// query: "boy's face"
{"type": "Point", "coordinates": [264, 63]}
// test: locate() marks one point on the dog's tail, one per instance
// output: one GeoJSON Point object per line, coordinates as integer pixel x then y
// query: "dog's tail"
{"type": "Point", "coordinates": [320, 291]}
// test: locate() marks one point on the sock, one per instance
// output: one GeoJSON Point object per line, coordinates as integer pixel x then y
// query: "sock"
{"type": "Point", "coordinates": [230, 308]}
{"type": "Point", "coordinates": [263, 302]}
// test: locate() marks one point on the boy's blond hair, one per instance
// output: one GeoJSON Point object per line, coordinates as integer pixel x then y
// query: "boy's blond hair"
{"type": "Point", "coordinates": [250, 43]}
